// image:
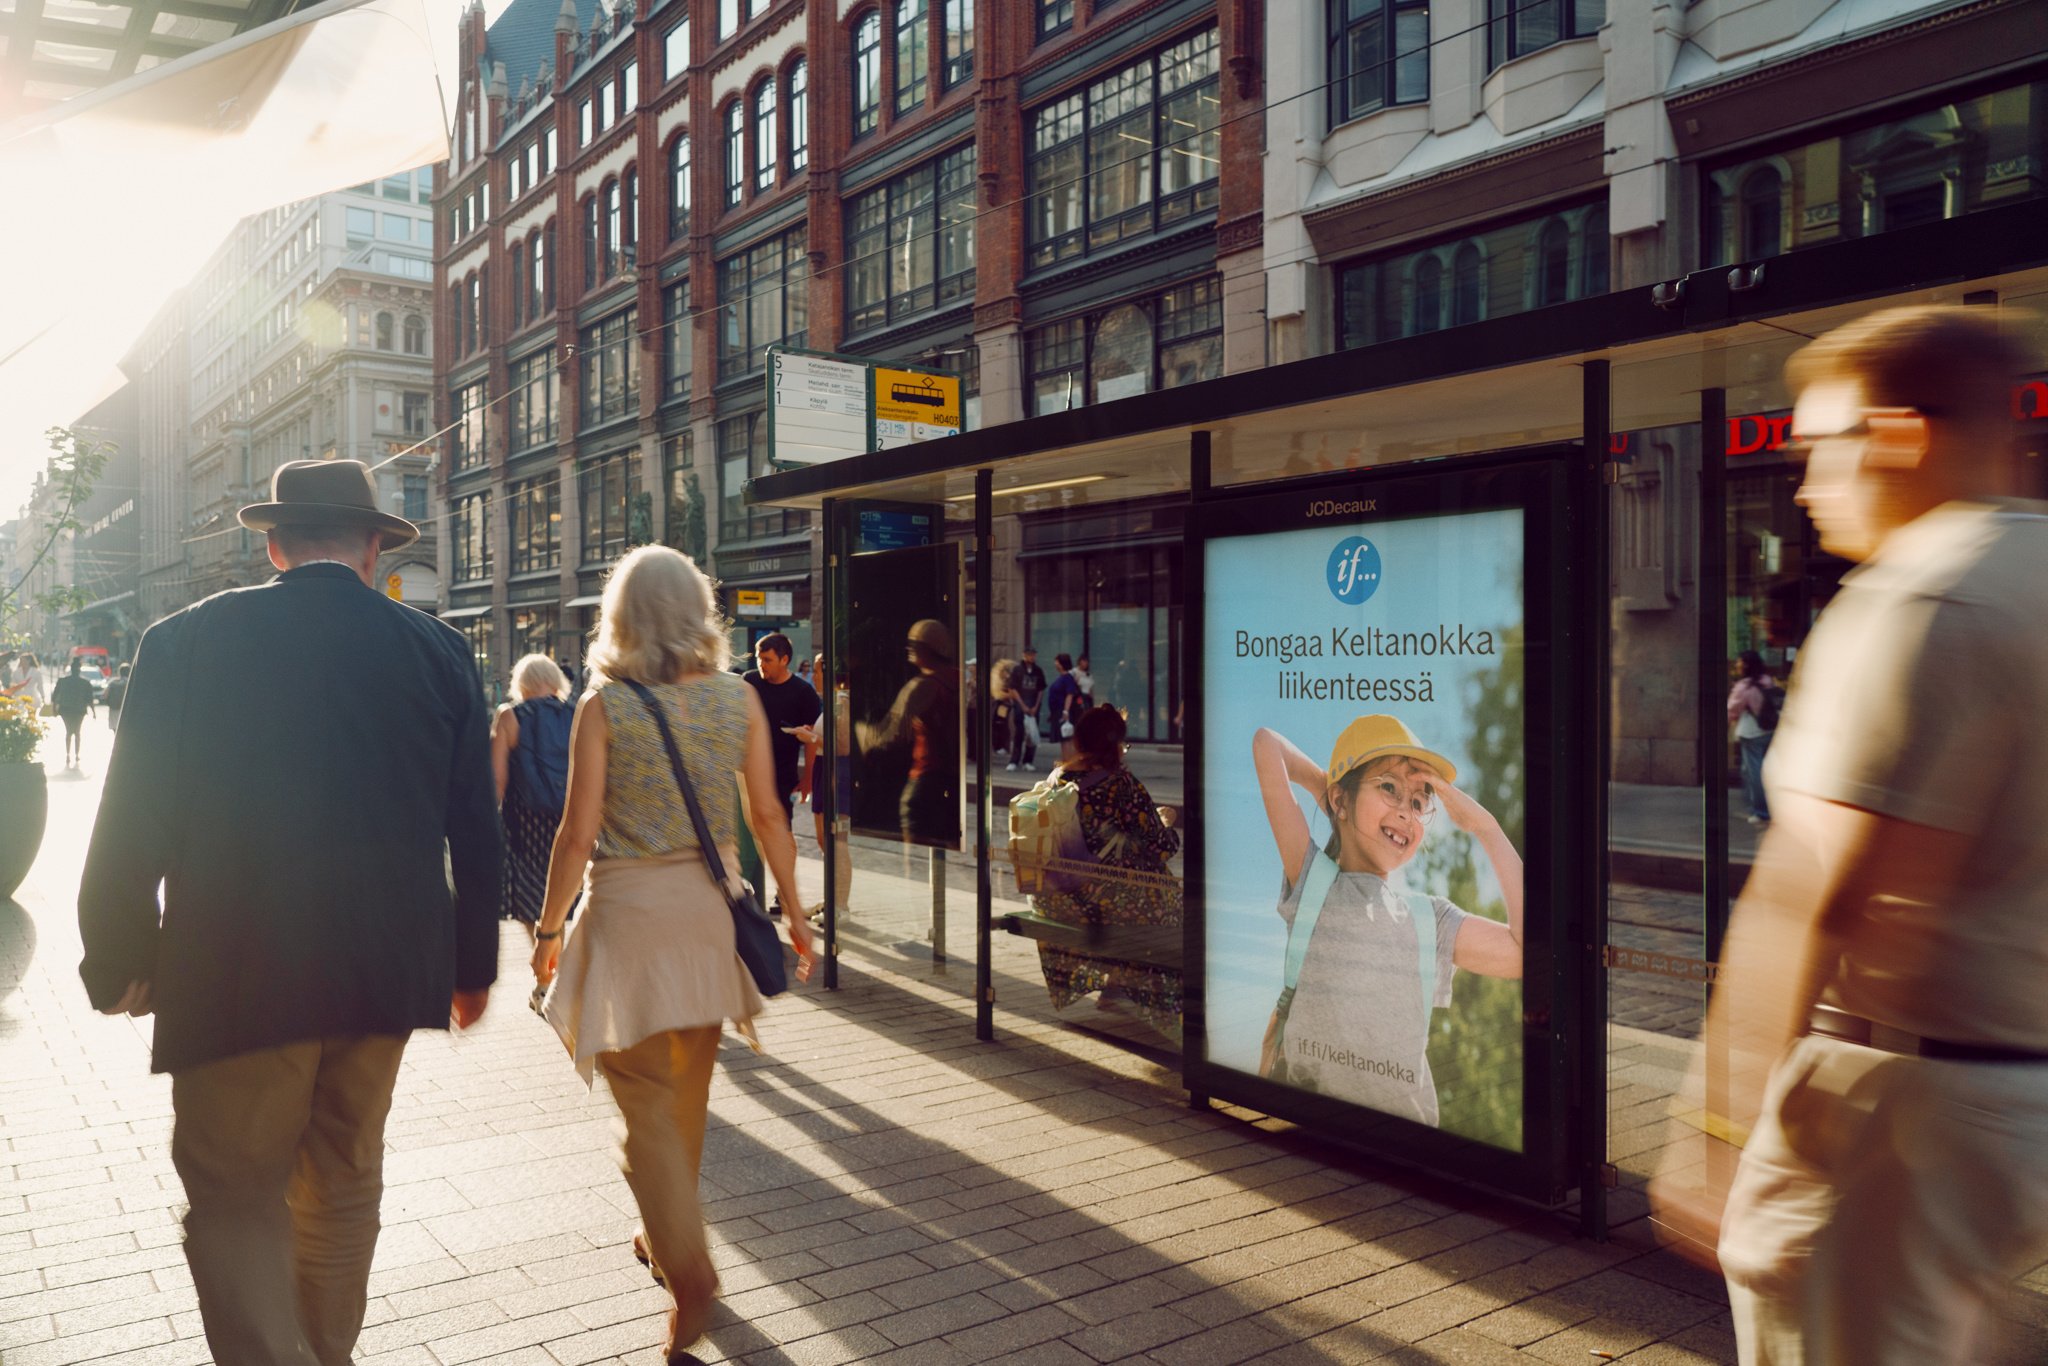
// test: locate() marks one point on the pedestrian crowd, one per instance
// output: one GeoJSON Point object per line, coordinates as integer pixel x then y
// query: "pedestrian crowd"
{"type": "Point", "coordinates": [334, 859]}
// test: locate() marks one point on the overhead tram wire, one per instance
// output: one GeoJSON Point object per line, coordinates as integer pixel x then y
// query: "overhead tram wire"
{"type": "Point", "coordinates": [1491, 189]}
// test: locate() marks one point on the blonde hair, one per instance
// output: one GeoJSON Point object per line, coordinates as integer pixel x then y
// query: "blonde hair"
{"type": "Point", "coordinates": [539, 676]}
{"type": "Point", "coordinates": [659, 621]}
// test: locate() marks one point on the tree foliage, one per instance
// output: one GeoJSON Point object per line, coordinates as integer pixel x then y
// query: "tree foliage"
{"type": "Point", "coordinates": [76, 463]}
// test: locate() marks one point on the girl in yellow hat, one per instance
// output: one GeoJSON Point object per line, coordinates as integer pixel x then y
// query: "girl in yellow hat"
{"type": "Point", "coordinates": [1367, 962]}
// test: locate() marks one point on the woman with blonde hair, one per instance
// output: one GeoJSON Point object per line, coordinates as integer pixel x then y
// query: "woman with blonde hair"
{"type": "Point", "coordinates": [643, 986]}
{"type": "Point", "coordinates": [530, 760]}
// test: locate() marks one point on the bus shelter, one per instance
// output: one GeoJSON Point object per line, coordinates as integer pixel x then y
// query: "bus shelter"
{"type": "Point", "coordinates": [1513, 560]}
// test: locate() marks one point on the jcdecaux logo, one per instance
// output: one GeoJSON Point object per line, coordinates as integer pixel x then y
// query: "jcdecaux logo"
{"type": "Point", "coordinates": [1354, 570]}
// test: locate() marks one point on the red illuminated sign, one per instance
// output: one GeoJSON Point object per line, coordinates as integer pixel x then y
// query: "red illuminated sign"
{"type": "Point", "coordinates": [1767, 432]}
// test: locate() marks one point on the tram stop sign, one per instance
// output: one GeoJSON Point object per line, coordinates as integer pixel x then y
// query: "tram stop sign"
{"type": "Point", "coordinates": [395, 586]}
{"type": "Point", "coordinates": [913, 405]}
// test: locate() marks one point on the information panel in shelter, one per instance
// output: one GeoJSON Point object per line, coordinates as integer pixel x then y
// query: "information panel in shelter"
{"type": "Point", "coordinates": [1365, 790]}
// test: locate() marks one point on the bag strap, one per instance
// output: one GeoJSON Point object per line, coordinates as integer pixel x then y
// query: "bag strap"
{"type": "Point", "coordinates": [1315, 890]}
{"type": "Point", "coordinates": [712, 859]}
{"type": "Point", "coordinates": [1422, 910]}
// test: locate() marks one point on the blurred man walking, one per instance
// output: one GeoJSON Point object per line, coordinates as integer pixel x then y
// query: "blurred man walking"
{"type": "Point", "coordinates": [1881, 1001]}
{"type": "Point", "coordinates": [293, 760]}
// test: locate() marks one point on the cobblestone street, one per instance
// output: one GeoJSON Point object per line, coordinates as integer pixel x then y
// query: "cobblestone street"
{"type": "Point", "coordinates": [882, 1188]}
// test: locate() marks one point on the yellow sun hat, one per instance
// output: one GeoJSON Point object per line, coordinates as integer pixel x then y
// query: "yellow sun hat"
{"type": "Point", "coordinates": [1375, 737]}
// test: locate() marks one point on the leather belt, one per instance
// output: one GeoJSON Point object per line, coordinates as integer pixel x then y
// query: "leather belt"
{"type": "Point", "coordinates": [1840, 1024]}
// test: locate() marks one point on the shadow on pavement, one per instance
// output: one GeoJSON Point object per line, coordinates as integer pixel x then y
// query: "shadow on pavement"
{"type": "Point", "coordinates": [17, 947]}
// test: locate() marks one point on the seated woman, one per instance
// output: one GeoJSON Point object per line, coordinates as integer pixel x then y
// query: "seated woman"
{"type": "Point", "coordinates": [1130, 841]}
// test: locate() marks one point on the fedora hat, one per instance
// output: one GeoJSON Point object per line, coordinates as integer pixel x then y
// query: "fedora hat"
{"type": "Point", "coordinates": [327, 493]}
{"type": "Point", "coordinates": [1375, 737]}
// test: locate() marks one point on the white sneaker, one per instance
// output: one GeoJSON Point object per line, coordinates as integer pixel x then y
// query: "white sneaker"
{"type": "Point", "coordinates": [1009, 768]}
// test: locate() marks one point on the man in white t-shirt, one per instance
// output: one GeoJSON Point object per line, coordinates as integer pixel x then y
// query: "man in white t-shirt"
{"type": "Point", "coordinates": [1881, 1005]}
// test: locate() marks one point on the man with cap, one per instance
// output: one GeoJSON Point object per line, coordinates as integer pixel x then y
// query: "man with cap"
{"type": "Point", "coordinates": [293, 760]}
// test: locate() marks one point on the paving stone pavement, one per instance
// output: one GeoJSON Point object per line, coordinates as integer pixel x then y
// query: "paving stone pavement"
{"type": "Point", "coordinates": [881, 1188]}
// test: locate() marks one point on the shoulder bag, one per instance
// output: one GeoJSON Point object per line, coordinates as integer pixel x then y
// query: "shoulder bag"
{"type": "Point", "coordinates": [753, 933]}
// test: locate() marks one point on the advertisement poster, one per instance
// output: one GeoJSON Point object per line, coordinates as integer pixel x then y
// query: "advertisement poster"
{"type": "Point", "coordinates": [903, 660]}
{"type": "Point", "coordinates": [1365, 794]}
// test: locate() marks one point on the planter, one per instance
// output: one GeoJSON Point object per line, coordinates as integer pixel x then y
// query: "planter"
{"type": "Point", "coordinates": [24, 810]}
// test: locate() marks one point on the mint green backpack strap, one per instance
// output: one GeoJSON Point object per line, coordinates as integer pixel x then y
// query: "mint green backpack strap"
{"type": "Point", "coordinates": [1422, 910]}
{"type": "Point", "coordinates": [1315, 889]}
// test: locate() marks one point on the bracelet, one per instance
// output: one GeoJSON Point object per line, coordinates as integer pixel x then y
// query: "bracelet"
{"type": "Point", "coordinates": [545, 935]}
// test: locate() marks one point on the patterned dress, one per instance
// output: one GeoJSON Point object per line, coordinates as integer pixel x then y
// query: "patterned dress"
{"type": "Point", "coordinates": [536, 787]}
{"type": "Point", "coordinates": [1134, 887]}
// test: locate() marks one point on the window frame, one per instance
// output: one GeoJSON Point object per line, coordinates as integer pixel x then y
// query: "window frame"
{"type": "Point", "coordinates": [1505, 20]}
{"type": "Point", "coordinates": [533, 404]}
{"type": "Point", "coordinates": [866, 85]}
{"type": "Point", "coordinates": [1078, 336]}
{"type": "Point", "coordinates": [956, 64]}
{"type": "Point", "coordinates": [677, 340]}
{"type": "Point", "coordinates": [469, 519]}
{"type": "Point", "coordinates": [798, 78]}
{"type": "Point", "coordinates": [594, 479]}
{"type": "Point", "coordinates": [675, 40]}
{"type": "Point", "coordinates": [608, 368]}
{"type": "Point", "coordinates": [679, 188]}
{"type": "Point", "coordinates": [764, 106]}
{"type": "Point", "coordinates": [912, 38]}
{"type": "Point", "coordinates": [924, 192]}
{"type": "Point", "coordinates": [1093, 115]}
{"type": "Point", "coordinates": [533, 518]}
{"type": "Point", "coordinates": [742, 296]}
{"type": "Point", "coordinates": [1052, 18]}
{"type": "Point", "coordinates": [469, 431]}
{"type": "Point", "coordinates": [733, 120]}
{"type": "Point", "coordinates": [1344, 83]}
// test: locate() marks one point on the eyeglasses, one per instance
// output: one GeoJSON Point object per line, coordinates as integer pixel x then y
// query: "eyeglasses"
{"type": "Point", "coordinates": [1418, 798]}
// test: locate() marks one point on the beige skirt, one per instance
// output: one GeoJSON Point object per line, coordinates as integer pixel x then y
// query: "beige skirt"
{"type": "Point", "coordinates": [651, 950]}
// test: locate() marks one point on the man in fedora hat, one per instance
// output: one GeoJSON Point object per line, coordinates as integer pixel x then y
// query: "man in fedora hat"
{"type": "Point", "coordinates": [293, 760]}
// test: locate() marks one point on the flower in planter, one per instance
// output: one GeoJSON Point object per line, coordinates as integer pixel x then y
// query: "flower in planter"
{"type": "Point", "coordinates": [21, 729]}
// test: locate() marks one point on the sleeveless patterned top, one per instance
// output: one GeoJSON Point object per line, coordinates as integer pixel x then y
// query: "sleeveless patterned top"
{"type": "Point", "coordinates": [644, 815]}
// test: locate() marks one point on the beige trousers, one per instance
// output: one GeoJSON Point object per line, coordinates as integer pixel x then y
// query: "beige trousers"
{"type": "Point", "coordinates": [282, 1156]}
{"type": "Point", "coordinates": [663, 1088]}
{"type": "Point", "coordinates": [1883, 1206]}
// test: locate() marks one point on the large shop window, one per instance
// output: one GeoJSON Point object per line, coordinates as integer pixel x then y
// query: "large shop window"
{"type": "Point", "coordinates": [743, 453]}
{"type": "Point", "coordinates": [534, 514]}
{"type": "Point", "coordinates": [684, 523]}
{"type": "Point", "coordinates": [910, 243]}
{"type": "Point", "coordinates": [1489, 274]}
{"type": "Point", "coordinates": [1379, 55]}
{"type": "Point", "coordinates": [1132, 154]}
{"type": "Point", "coordinates": [1120, 609]}
{"type": "Point", "coordinates": [1939, 162]}
{"type": "Point", "coordinates": [466, 436]}
{"type": "Point", "coordinates": [469, 535]}
{"type": "Point", "coordinates": [611, 368]}
{"type": "Point", "coordinates": [534, 629]}
{"type": "Point", "coordinates": [607, 487]}
{"type": "Point", "coordinates": [1516, 28]}
{"type": "Point", "coordinates": [867, 74]}
{"type": "Point", "coordinates": [676, 348]}
{"type": "Point", "coordinates": [763, 300]}
{"type": "Point", "coordinates": [536, 400]}
{"type": "Point", "coordinates": [477, 631]}
{"type": "Point", "coordinates": [1169, 339]}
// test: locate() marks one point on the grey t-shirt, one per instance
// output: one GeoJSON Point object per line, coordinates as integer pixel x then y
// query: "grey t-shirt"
{"type": "Point", "coordinates": [1357, 1029]}
{"type": "Point", "coordinates": [1919, 696]}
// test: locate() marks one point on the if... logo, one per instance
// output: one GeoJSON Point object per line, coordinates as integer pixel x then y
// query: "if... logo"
{"type": "Point", "coordinates": [1354, 570]}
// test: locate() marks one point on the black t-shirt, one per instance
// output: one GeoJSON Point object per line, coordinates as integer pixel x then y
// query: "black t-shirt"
{"type": "Point", "coordinates": [1029, 681]}
{"type": "Point", "coordinates": [792, 702]}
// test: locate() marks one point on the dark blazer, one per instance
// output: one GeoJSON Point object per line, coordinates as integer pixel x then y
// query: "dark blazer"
{"type": "Point", "coordinates": [292, 761]}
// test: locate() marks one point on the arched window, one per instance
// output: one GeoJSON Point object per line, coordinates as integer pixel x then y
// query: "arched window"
{"type": "Point", "coordinates": [1592, 255]}
{"type": "Point", "coordinates": [537, 268]}
{"type": "Point", "coordinates": [1553, 263]}
{"type": "Point", "coordinates": [735, 153]}
{"type": "Point", "coordinates": [799, 115]}
{"type": "Point", "coordinates": [629, 215]}
{"type": "Point", "coordinates": [518, 285]}
{"type": "Point", "coordinates": [614, 232]}
{"type": "Point", "coordinates": [1467, 278]}
{"type": "Point", "coordinates": [1120, 354]}
{"type": "Point", "coordinates": [590, 242]}
{"type": "Point", "coordinates": [764, 135]}
{"type": "Point", "coordinates": [679, 188]}
{"type": "Point", "coordinates": [1429, 295]}
{"type": "Point", "coordinates": [384, 332]}
{"type": "Point", "coordinates": [1762, 217]}
{"type": "Point", "coordinates": [913, 54]}
{"type": "Point", "coordinates": [867, 74]}
{"type": "Point", "coordinates": [415, 335]}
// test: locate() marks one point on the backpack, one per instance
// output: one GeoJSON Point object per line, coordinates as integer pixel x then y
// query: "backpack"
{"type": "Point", "coordinates": [1317, 882]}
{"type": "Point", "coordinates": [1047, 846]}
{"type": "Point", "coordinates": [1773, 704]}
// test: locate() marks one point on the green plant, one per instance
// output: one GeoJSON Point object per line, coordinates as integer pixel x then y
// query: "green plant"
{"type": "Point", "coordinates": [20, 729]}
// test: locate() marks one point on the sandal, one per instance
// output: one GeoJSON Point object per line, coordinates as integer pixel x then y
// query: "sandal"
{"type": "Point", "coordinates": [646, 1259]}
